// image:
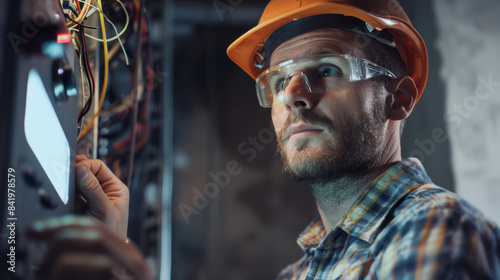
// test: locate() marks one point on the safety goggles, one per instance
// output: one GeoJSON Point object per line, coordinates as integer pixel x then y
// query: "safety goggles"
{"type": "Point", "coordinates": [319, 74]}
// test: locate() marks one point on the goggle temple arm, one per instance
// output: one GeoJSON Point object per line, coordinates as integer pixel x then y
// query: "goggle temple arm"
{"type": "Point", "coordinates": [363, 69]}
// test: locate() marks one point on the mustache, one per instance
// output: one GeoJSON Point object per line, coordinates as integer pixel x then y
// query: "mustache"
{"type": "Point", "coordinates": [306, 117]}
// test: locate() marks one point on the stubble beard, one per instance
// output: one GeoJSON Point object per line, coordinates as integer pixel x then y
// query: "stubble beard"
{"type": "Point", "coordinates": [353, 149]}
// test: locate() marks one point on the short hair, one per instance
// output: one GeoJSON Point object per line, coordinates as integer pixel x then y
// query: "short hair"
{"type": "Point", "coordinates": [389, 58]}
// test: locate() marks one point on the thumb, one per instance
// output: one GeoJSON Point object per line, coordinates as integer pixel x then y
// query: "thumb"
{"type": "Point", "coordinates": [90, 188]}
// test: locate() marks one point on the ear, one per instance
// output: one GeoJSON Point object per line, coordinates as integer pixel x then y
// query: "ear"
{"type": "Point", "coordinates": [404, 96]}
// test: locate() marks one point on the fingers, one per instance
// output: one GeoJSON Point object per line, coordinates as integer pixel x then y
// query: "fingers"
{"type": "Point", "coordinates": [90, 188]}
{"type": "Point", "coordinates": [106, 196]}
{"type": "Point", "coordinates": [100, 171]}
{"type": "Point", "coordinates": [79, 248]}
{"type": "Point", "coordinates": [80, 158]}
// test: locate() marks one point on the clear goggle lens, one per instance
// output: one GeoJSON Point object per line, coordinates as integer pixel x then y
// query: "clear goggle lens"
{"type": "Point", "coordinates": [319, 74]}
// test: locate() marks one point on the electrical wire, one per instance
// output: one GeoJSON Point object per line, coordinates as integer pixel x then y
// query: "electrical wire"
{"type": "Point", "coordinates": [148, 88]}
{"type": "Point", "coordinates": [88, 104]}
{"type": "Point", "coordinates": [125, 106]}
{"type": "Point", "coordinates": [88, 72]}
{"type": "Point", "coordinates": [138, 129]}
{"type": "Point", "coordinates": [118, 35]}
{"type": "Point", "coordinates": [114, 27]}
{"type": "Point", "coordinates": [80, 17]}
{"type": "Point", "coordinates": [80, 122]}
{"type": "Point", "coordinates": [85, 66]}
{"type": "Point", "coordinates": [77, 4]}
{"type": "Point", "coordinates": [106, 73]}
{"type": "Point", "coordinates": [114, 49]}
{"type": "Point", "coordinates": [80, 24]}
{"type": "Point", "coordinates": [137, 5]}
{"type": "Point", "coordinates": [74, 10]}
{"type": "Point", "coordinates": [137, 77]}
{"type": "Point", "coordinates": [88, 64]}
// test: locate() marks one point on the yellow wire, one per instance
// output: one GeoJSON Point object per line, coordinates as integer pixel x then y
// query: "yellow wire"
{"type": "Point", "coordinates": [105, 80]}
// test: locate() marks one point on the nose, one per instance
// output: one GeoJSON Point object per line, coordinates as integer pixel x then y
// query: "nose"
{"type": "Point", "coordinates": [297, 93]}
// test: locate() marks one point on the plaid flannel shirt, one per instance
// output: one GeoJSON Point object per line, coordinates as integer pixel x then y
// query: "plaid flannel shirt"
{"type": "Point", "coordinates": [403, 227]}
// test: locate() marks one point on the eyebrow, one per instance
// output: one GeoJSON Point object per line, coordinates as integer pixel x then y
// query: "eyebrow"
{"type": "Point", "coordinates": [321, 51]}
{"type": "Point", "coordinates": [314, 52]}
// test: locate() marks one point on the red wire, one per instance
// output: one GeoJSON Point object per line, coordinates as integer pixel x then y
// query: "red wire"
{"type": "Point", "coordinates": [78, 6]}
{"type": "Point", "coordinates": [86, 54]}
{"type": "Point", "coordinates": [89, 68]}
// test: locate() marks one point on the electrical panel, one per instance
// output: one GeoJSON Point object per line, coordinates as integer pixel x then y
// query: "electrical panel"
{"type": "Point", "coordinates": [66, 92]}
{"type": "Point", "coordinates": [40, 75]}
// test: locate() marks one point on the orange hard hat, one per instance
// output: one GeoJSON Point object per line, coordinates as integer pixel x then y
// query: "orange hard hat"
{"type": "Point", "coordinates": [379, 15]}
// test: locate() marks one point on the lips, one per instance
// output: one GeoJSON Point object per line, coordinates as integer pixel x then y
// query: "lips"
{"type": "Point", "coordinates": [301, 128]}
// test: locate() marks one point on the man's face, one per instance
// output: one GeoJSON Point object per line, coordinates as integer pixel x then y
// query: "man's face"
{"type": "Point", "coordinates": [322, 136]}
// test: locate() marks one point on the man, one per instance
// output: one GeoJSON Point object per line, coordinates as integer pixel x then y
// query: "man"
{"type": "Point", "coordinates": [340, 77]}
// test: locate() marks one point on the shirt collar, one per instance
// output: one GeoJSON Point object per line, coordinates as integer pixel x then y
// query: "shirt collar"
{"type": "Point", "coordinates": [368, 213]}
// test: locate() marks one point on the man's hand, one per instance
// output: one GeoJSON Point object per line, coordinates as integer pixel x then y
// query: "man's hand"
{"type": "Point", "coordinates": [81, 248]}
{"type": "Point", "coordinates": [103, 195]}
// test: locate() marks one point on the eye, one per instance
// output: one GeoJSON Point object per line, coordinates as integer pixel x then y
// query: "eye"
{"type": "Point", "coordinates": [277, 91]}
{"type": "Point", "coordinates": [278, 85]}
{"type": "Point", "coordinates": [328, 70]}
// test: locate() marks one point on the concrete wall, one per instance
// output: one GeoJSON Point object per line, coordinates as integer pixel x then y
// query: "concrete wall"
{"type": "Point", "coordinates": [469, 39]}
